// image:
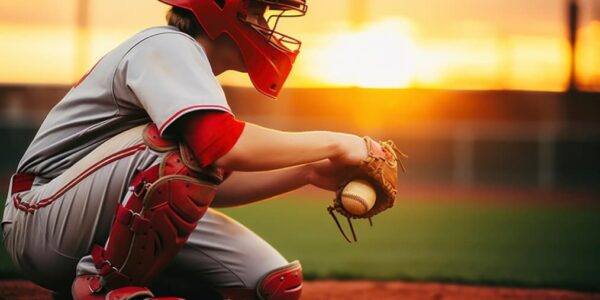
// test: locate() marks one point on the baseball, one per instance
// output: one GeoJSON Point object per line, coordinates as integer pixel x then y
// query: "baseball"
{"type": "Point", "coordinates": [358, 197]}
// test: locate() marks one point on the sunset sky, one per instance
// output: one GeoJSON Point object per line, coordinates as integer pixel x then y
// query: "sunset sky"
{"type": "Point", "coordinates": [458, 44]}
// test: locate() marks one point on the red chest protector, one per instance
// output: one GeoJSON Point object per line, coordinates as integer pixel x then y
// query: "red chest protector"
{"type": "Point", "coordinates": [162, 209]}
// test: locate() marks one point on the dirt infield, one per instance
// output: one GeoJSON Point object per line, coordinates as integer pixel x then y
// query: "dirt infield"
{"type": "Point", "coordinates": [337, 290]}
{"type": "Point", "coordinates": [362, 290]}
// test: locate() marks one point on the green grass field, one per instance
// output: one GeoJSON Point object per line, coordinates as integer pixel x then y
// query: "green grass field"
{"type": "Point", "coordinates": [531, 245]}
{"type": "Point", "coordinates": [488, 243]}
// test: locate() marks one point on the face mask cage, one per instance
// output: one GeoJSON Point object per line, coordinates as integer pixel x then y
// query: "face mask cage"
{"type": "Point", "coordinates": [266, 24]}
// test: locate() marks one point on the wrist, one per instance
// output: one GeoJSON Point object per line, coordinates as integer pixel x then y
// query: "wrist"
{"type": "Point", "coordinates": [331, 144]}
{"type": "Point", "coordinates": [308, 173]}
{"type": "Point", "coordinates": [350, 150]}
{"type": "Point", "coordinates": [339, 146]}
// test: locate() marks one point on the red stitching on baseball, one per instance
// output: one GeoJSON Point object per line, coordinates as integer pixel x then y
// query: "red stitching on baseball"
{"type": "Point", "coordinates": [359, 198]}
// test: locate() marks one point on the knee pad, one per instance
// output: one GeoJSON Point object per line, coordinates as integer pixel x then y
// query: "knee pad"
{"type": "Point", "coordinates": [284, 283]}
{"type": "Point", "coordinates": [160, 212]}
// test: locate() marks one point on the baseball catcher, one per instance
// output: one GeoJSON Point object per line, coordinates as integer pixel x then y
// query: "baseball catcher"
{"type": "Point", "coordinates": [114, 197]}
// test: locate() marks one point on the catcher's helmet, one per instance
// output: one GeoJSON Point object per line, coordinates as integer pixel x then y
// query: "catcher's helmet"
{"type": "Point", "coordinates": [267, 54]}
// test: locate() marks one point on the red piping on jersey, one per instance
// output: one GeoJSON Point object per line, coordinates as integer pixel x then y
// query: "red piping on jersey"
{"type": "Point", "coordinates": [45, 202]}
{"type": "Point", "coordinates": [187, 109]}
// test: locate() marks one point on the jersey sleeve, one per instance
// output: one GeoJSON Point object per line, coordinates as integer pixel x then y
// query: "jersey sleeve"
{"type": "Point", "coordinates": [170, 76]}
{"type": "Point", "coordinates": [211, 135]}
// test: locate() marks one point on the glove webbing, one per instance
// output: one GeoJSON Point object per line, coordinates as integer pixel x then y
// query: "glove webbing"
{"type": "Point", "coordinates": [394, 151]}
{"type": "Point", "coordinates": [331, 211]}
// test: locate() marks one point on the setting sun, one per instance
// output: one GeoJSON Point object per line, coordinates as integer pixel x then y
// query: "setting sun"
{"type": "Point", "coordinates": [381, 54]}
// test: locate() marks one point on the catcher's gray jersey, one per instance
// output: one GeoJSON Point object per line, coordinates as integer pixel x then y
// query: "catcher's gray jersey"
{"type": "Point", "coordinates": [87, 153]}
{"type": "Point", "coordinates": [158, 75]}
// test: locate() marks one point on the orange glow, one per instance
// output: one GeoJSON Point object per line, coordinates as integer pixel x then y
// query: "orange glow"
{"type": "Point", "coordinates": [588, 64]}
{"type": "Point", "coordinates": [537, 63]}
{"type": "Point", "coordinates": [35, 54]}
{"type": "Point", "coordinates": [384, 52]}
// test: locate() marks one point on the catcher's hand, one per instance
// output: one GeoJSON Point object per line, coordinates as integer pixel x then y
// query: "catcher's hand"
{"type": "Point", "coordinates": [380, 169]}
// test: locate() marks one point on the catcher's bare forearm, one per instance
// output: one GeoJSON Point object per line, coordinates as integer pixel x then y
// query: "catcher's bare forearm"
{"type": "Point", "coordinates": [261, 149]}
{"type": "Point", "coordinates": [247, 187]}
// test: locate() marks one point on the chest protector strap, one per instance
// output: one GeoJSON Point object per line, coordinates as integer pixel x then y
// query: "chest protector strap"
{"type": "Point", "coordinates": [163, 206]}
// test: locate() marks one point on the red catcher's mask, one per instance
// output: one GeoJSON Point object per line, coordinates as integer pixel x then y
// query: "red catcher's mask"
{"type": "Point", "coordinates": [268, 55]}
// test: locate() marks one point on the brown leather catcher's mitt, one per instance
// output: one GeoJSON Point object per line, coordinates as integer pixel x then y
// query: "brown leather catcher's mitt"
{"type": "Point", "coordinates": [380, 169]}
